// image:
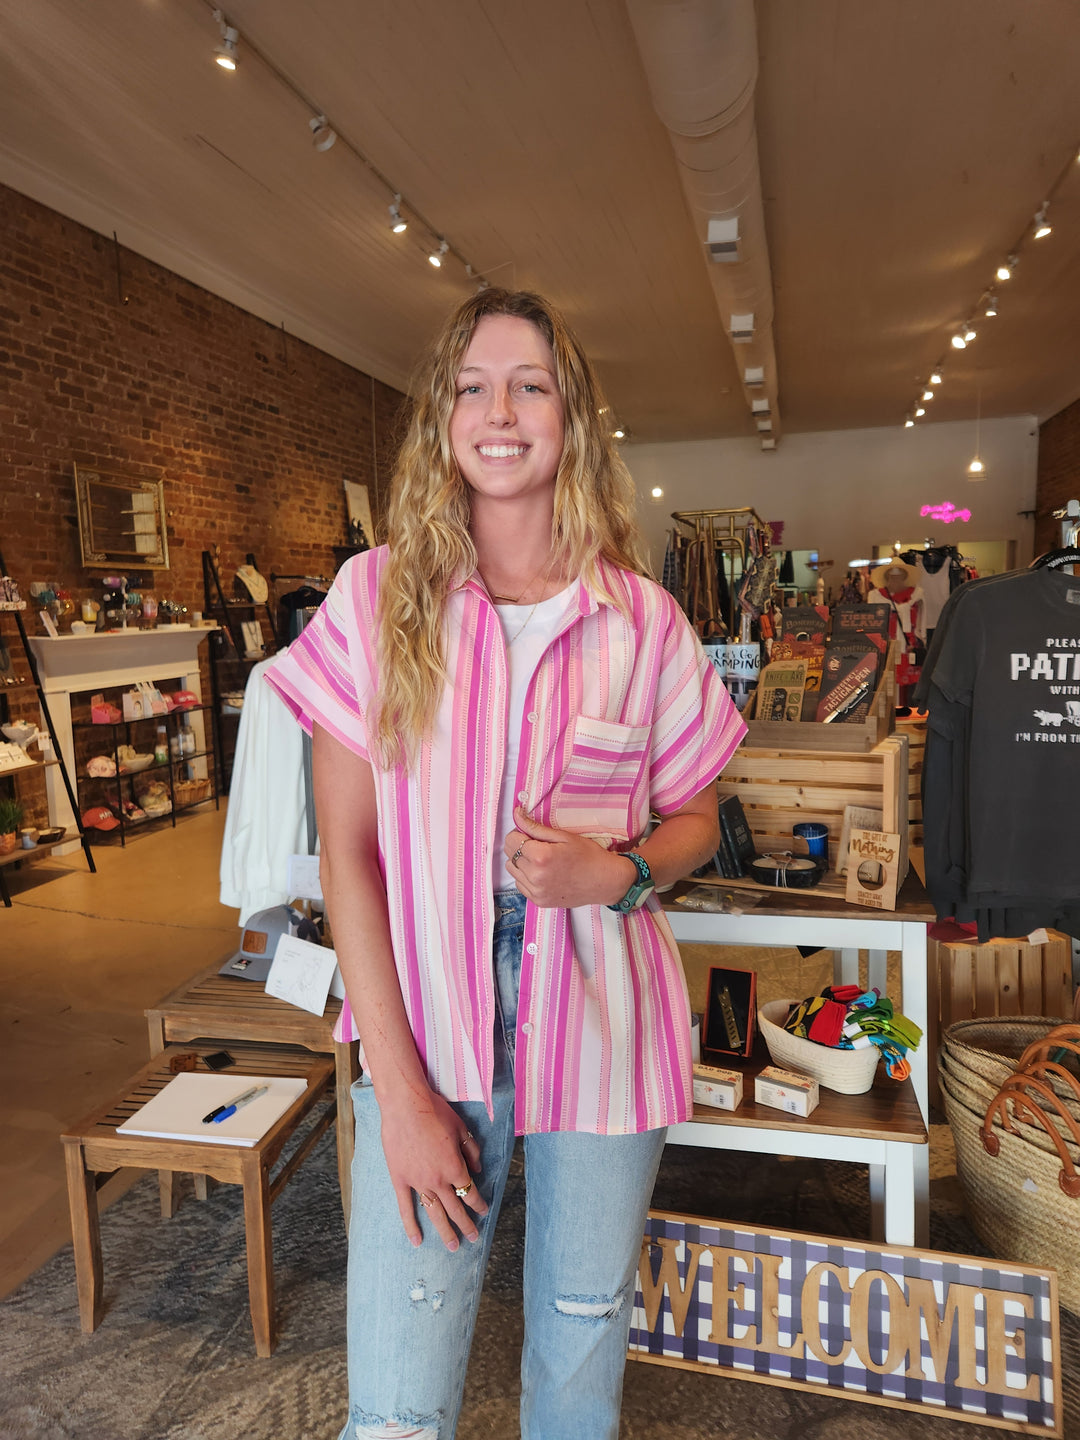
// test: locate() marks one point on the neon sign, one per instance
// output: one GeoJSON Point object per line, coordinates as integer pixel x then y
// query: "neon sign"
{"type": "Point", "coordinates": [946, 512]}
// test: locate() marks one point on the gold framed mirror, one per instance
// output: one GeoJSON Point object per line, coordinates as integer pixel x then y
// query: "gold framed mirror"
{"type": "Point", "coordinates": [121, 521]}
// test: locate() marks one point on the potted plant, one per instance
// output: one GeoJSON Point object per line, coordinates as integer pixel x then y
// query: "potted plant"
{"type": "Point", "coordinates": [11, 817]}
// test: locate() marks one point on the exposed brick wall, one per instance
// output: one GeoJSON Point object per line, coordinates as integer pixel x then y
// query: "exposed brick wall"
{"type": "Point", "coordinates": [1059, 473]}
{"type": "Point", "coordinates": [252, 431]}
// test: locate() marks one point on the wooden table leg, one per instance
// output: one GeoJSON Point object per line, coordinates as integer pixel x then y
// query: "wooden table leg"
{"type": "Point", "coordinates": [346, 1070]}
{"type": "Point", "coordinates": [85, 1235]}
{"type": "Point", "coordinates": [260, 1253]}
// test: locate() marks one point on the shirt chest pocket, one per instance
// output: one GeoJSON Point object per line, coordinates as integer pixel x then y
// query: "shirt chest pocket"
{"type": "Point", "coordinates": [601, 788]}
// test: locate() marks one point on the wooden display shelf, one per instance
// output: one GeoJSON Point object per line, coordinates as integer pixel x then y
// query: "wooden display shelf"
{"type": "Point", "coordinates": [888, 1111]}
{"type": "Point", "coordinates": [820, 904]}
{"type": "Point", "coordinates": [853, 736]}
{"type": "Point", "coordinates": [781, 788]}
{"type": "Point", "coordinates": [36, 852]}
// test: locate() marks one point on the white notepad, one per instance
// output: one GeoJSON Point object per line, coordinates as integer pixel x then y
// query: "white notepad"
{"type": "Point", "coordinates": [176, 1112]}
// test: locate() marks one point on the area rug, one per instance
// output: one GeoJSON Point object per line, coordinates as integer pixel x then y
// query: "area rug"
{"type": "Point", "coordinates": [173, 1358]}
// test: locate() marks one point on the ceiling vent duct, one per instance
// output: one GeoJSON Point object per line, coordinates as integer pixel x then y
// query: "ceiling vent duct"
{"type": "Point", "coordinates": [701, 62]}
{"type": "Point", "coordinates": [742, 329]}
{"type": "Point", "coordinates": [723, 241]}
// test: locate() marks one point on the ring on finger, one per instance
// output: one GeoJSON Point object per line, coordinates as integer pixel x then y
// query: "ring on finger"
{"type": "Point", "coordinates": [517, 853]}
{"type": "Point", "coordinates": [462, 1190]}
{"type": "Point", "coordinates": [425, 1199]}
{"type": "Point", "coordinates": [468, 1136]}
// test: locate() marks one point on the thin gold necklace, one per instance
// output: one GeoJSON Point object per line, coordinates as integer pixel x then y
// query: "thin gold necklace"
{"type": "Point", "coordinates": [516, 599]}
{"type": "Point", "coordinates": [535, 605]}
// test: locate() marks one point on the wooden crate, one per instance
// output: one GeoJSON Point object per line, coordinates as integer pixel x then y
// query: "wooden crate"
{"type": "Point", "coordinates": [780, 788]}
{"type": "Point", "coordinates": [812, 735]}
{"type": "Point", "coordinates": [914, 727]}
{"type": "Point", "coordinates": [1002, 977]}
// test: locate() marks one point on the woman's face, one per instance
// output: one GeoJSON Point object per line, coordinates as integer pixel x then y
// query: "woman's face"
{"type": "Point", "coordinates": [506, 429]}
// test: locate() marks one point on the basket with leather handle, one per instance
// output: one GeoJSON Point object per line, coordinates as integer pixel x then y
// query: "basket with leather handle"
{"type": "Point", "coordinates": [1018, 1161]}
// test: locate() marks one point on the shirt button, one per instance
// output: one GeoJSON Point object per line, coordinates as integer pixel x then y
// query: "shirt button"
{"type": "Point", "coordinates": [532, 717]}
{"type": "Point", "coordinates": [523, 795]}
{"type": "Point", "coordinates": [526, 1029]}
{"type": "Point", "coordinates": [531, 947]}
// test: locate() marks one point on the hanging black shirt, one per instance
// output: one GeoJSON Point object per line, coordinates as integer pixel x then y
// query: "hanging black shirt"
{"type": "Point", "coordinates": [1012, 655]}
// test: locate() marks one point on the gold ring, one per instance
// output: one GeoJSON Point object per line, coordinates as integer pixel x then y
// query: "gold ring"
{"type": "Point", "coordinates": [462, 1190]}
{"type": "Point", "coordinates": [517, 852]}
{"type": "Point", "coordinates": [468, 1136]}
{"type": "Point", "coordinates": [425, 1199]}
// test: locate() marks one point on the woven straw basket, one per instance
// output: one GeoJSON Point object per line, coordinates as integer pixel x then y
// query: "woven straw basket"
{"type": "Point", "coordinates": [1021, 1182]}
{"type": "Point", "coordinates": [849, 1072]}
{"type": "Point", "coordinates": [190, 792]}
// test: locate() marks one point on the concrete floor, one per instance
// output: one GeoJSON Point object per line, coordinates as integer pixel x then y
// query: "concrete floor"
{"type": "Point", "coordinates": [81, 957]}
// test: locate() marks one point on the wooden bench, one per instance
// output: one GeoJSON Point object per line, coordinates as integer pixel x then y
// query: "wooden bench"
{"type": "Point", "coordinates": [226, 1008]}
{"type": "Point", "coordinates": [93, 1150]}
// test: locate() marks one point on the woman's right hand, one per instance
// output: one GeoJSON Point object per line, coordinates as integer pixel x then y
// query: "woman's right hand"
{"type": "Point", "coordinates": [430, 1153]}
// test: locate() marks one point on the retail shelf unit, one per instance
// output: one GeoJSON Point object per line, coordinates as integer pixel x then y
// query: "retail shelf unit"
{"type": "Point", "coordinates": [230, 657]}
{"type": "Point", "coordinates": [19, 676]}
{"type": "Point", "coordinates": [120, 792]}
{"type": "Point", "coordinates": [886, 1129]}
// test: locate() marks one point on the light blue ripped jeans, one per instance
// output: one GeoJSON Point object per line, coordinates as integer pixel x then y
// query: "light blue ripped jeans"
{"type": "Point", "coordinates": [411, 1311]}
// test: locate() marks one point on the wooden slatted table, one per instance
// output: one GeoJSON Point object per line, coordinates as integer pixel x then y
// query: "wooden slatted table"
{"type": "Point", "coordinates": [225, 1008]}
{"type": "Point", "coordinates": [93, 1150]}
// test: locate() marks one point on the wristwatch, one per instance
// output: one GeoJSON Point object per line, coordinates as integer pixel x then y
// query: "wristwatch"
{"type": "Point", "coordinates": [640, 890]}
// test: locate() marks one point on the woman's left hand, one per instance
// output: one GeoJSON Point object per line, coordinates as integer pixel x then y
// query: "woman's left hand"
{"type": "Point", "coordinates": [560, 868]}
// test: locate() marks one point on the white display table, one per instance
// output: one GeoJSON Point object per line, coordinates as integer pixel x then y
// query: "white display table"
{"type": "Point", "coordinates": [70, 664]}
{"type": "Point", "coordinates": [885, 1129]}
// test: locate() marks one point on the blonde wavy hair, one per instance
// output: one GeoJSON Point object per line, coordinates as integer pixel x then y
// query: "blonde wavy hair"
{"type": "Point", "coordinates": [428, 536]}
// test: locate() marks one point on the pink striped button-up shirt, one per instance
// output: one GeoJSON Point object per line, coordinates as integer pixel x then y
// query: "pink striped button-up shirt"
{"type": "Point", "coordinates": [623, 715]}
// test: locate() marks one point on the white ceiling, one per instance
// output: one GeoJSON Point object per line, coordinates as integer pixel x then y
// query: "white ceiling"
{"type": "Point", "coordinates": [903, 147]}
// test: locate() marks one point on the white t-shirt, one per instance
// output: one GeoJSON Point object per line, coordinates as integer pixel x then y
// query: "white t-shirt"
{"type": "Point", "coordinates": [528, 635]}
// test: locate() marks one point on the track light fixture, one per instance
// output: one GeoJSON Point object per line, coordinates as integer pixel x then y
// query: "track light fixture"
{"type": "Point", "coordinates": [322, 136]}
{"type": "Point", "coordinates": [958, 342]}
{"type": "Point", "coordinates": [397, 224]}
{"type": "Point", "coordinates": [977, 470]}
{"type": "Point", "coordinates": [226, 53]}
{"type": "Point", "coordinates": [927, 394]}
{"type": "Point", "coordinates": [919, 412]}
{"type": "Point", "coordinates": [1042, 225]}
{"type": "Point", "coordinates": [1004, 272]}
{"type": "Point", "coordinates": [935, 378]}
{"type": "Point", "coordinates": [969, 332]}
{"type": "Point", "coordinates": [436, 256]}
{"type": "Point", "coordinates": [908, 423]}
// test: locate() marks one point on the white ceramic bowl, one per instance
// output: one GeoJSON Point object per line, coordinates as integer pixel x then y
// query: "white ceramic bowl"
{"type": "Point", "coordinates": [136, 763]}
{"type": "Point", "coordinates": [20, 731]}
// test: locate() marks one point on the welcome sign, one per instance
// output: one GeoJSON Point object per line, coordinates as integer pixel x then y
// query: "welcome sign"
{"type": "Point", "coordinates": [926, 1331]}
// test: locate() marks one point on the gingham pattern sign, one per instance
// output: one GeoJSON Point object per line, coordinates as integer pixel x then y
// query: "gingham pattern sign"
{"type": "Point", "coordinates": [926, 1331]}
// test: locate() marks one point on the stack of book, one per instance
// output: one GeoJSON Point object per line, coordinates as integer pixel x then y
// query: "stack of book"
{"type": "Point", "coordinates": [736, 848]}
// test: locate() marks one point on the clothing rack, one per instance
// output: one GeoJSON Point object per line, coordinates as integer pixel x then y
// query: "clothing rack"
{"type": "Point", "coordinates": [724, 530]}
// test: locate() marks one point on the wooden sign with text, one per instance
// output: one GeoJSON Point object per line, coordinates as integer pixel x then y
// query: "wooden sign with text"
{"type": "Point", "coordinates": [873, 869]}
{"type": "Point", "coordinates": [942, 1334]}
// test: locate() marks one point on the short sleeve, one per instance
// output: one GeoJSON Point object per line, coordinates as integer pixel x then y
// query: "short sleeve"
{"type": "Point", "coordinates": [958, 660]}
{"type": "Point", "coordinates": [324, 677]}
{"type": "Point", "coordinates": [696, 726]}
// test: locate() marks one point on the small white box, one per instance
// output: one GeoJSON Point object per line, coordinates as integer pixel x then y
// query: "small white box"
{"type": "Point", "coordinates": [722, 1089]}
{"type": "Point", "coordinates": [784, 1090]}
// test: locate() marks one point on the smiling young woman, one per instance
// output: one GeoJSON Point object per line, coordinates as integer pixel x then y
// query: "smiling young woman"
{"type": "Point", "coordinates": [499, 698]}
